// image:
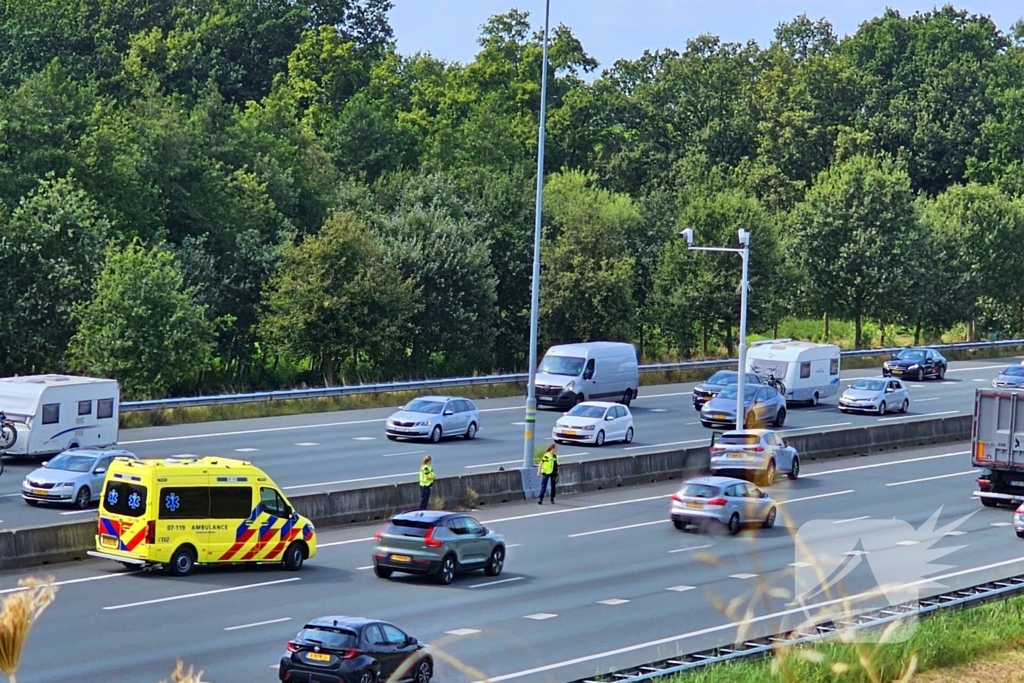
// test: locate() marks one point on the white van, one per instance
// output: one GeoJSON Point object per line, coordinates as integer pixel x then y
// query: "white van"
{"type": "Point", "coordinates": [573, 373]}
{"type": "Point", "coordinates": [52, 413]}
{"type": "Point", "coordinates": [809, 371]}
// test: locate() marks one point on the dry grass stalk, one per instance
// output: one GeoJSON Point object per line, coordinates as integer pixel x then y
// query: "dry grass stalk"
{"type": "Point", "coordinates": [437, 503]}
{"type": "Point", "coordinates": [19, 614]}
{"type": "Point", "coordinates": [471, 499]}
{"type": "Point", "coordinates": [179, 675]}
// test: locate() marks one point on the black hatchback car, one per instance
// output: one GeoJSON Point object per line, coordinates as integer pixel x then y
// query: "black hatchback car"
{"type": "Point", "coordinates": [916, 364]}
{"type": "Point", "coordinates": [354, 650]}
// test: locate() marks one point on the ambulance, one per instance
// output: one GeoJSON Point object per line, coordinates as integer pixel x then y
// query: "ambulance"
{"type": "Point", "coordinates": [179, 512]}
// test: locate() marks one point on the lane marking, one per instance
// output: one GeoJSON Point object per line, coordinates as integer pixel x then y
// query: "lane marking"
{"type": "Point", "coordinates": [495, 583]}
{"type": "Point", "coordinates": [75, 512]}
{"type": "Point", "coordinates": [562, 511]}
{"type": "Point", "coordinates": [307, 443]}
{"type": "Point", "coordinates": [354, 540]}
{"type": "Point", "coordinates": [954, 533]}
{"type": "Point", "coordinates": [691, 424]}
{"type": "Point", "coordinates": [820, 495]}
{"type": "Point", "coordinates": [246, 450]}
{"type": "Point", "coordinates": [540, 616]}
{"type": "Point", "coordinates": [852, 519]}
{"type": "Point", "coordinates": [1001, 524]}
{"type": "Point", "coordinates": [395, 455]}
{"type": "Point", "coordinates": [258, 623]}
{"type": "Point", "coordinates": [732, 626]}
{"type": "Point", "coordinates": [922, 400]}
{"type": "Point", "coordinates": [518, 424]}
{"type": "Point", "coordinates": [941, 476]}
{"type": "Point", "coordinates": [512, 545]}
{"type": "Point", "coordinates": [980, 380]}
{"type": "Point", "coordinates": [349, 481]}
{"type": "Point", "coordinates": [363, 569]}
{"type": "Point", "coordinates": [202, 594]}
{"type": "Point", "coordinates": [659, 410]}
{"type": "Point", "coordinates": [856, 553]}
{"type": "Point", "coordinates": [908, 543]}
{"type": "Point", "coordinates": [612, 601]}
{"type": "Point", "coordinates": [742, 576]}
{"type": "Point", "coordinates": [463, 631]}
{"type": "Point", "coordinates": [69, 582]}
{"type": "Point", "coordinates": [680, 589]}
{"type": "Point", "coordinates": [494, 464]}
{"type": "Point", "coordinates": [799, 565]}
{"type": "Point", "coordinates": [883, 464]}
{"type": "Point", "coordinates": [265, 430]}
{"type": "Point", "coordinates": [828, 426]}
{"type": "Point", "coordinates": [616, 528]}
{"type": "Point", "coordinates": [670, 443]}
{"type": "Point", "coordinates": [910, 417]}
{"type": "Point", "coordinates": [364, 438]}
{"type": "Point", "coordinates": [686, 550]}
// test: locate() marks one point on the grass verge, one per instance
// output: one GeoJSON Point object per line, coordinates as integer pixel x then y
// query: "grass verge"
{"type": "Point", "coordinates": [241, 411]}
{"type": "Point", "coordinates": [942, 644]}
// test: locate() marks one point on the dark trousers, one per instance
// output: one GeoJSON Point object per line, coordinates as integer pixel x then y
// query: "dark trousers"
{"type": "Point", "coordinates": [544, 486]}
{"type": "Point", "coordinates": [424, 497]}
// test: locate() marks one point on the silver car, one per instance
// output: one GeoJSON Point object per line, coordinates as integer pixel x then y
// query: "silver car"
{"type": "Point", "coordinates": [434, 418]}
{"type": "Point", "coordinates": [731, 502]}
{"type": "Point", "coordinates": [75, 476]}
{"type": "Point", "coordinates": [875, 395]}
{"type": "Point", "coordinates": [754, 453]}
{"type": "Point", "coordinates": [763, 405]}
{"type": "Point", "coordinates": [437, 543]}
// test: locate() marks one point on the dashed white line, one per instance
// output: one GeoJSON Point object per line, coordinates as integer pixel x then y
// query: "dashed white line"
{"type": "Point", "coordinates": [518, 424]}
{"type": "Point", "coordinates": [307, 443]}
{"type": "Point", "coordinates": [350, 481]}
{"type": "Point", "coordinates": [742, 576]}
{"type": "Point", "coordinates": [70, 582]}
{"type": "Point", "coordinates": [494, 464]}
{"type": "Point", "coordinates": [680, 589]}
{"type": "Point", "coordinates": [364, 438]}
{"type": "Point", "coordinates": [496, 583]}
{"type": "Point", "coordinates": [940, 476]}
{"type": "Point", "coordinates": [979, 380]}
{"type": "Point", "coordinates": [852, 519]}
{"type": "Point", "coordinates": [617, 528]}
{"type": "Point", "coordinates": [670, 443]}
{"type": "Point", "coordinates": [364, 567]}
{"type": "Point", "coordinates": [563, 511]}
{"type": "Point", "coordinates": [246, 450]}
{"type": "Point", "coordinates": [395, 455]}
{"type": "Point", "coordinates": [954, 533]}
{"type": "Point", "coordinates": [258, 623]}
{"type": "Point", "coordinates": [266, 430]}
{"type": "Point", "coordinates": [463, 631]}
{"type": "Point", "coordinates": [612, 601]}
{"type": "Point", "coordinates": [856, 553]}
{"type": "Point", "coordinates": [1001, 524]}
{"type": "Point", "coordinates": [333, 543]}
{"type": "Point", "coordinates": [907, 543]}
{"type": "Point", "coordinates": [820, 495]}
{"type": "Point", "coordinates": [686, 550]}
{"type": "Point", "coordinates": [540, 616]}
{"type": "Point", "coordinates": [659, 410]}
{"type": "Point", "coordinates": [800, 565]}
{"type": "Point", "coordinates": [76, 512]}
{"type": "Point", "coordinates": [923, 400]}
{"type": "Point", "coordinates": [883, 464]}
{"type": "Point", "coordinates": [202, 593]}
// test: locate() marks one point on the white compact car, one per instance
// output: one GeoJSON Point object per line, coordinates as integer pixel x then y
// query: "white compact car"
{"type": "Point", "coordinates": [594, 422]}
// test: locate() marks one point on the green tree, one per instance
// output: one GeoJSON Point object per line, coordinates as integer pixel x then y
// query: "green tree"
{"type": "Point", "coordinates": [142, 325]}
{"type": "Point", "coordinates": [337, 299]}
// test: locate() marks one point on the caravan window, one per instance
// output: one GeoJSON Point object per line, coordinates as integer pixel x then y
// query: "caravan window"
{"type": "Point", "coordinates": [805, 370]}
{"type": "Point", "coordinates": [51, 413]}
{"type": "Point", "coordinates": [833, 368]}
{"type": "Point", "coordinates": [105, 408]}
{"type": "Point", "coordinates": [84, 408]}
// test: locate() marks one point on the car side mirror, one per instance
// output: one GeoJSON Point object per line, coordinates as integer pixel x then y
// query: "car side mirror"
{"type": "Point", "coordinates": [763, 494]}
{"type": "Point", "coordinates": [99, 470]}
{"type": "Point", "coordinates": [608, 418]}
{"type": "Point", "coordinates": [448, 413]}
{"type": "Point", "coordinates": [292, 515]}
{"type": "Point", "coordinates": [45, 463]}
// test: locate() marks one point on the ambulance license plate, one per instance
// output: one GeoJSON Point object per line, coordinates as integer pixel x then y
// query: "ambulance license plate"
{"type": "Point", "coordinates": [108, 541]}
{"type": "Point", "coordinates": [401, 558]}
{"type": "Point", "coordinates": [318, 656]}
{"type": "Point", "coordinates": [39, 492]}
{"type": "Point", "coordinates": [694, 505]}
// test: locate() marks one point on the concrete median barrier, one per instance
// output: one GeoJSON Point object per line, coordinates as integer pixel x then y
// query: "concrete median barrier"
{"type": "Point", "coordinates": [34, 546]}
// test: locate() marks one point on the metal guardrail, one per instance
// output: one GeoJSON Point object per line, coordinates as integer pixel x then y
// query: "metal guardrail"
{"type": "Point", "coordinates": [760, 648]}
{"type": "Point", "coordinates": [452, 382]}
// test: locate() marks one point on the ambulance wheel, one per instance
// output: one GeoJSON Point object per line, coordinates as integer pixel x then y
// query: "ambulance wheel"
{"type": "Point", "coordinates": [183, 561]}
{"type": "Point", "coordinates": [294, 556]}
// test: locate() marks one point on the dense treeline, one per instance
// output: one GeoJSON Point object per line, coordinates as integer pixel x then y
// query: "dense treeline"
{"type": "Point", "coordinates": [247, 195]}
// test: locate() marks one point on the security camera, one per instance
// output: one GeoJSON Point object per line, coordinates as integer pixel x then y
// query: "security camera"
{"type": "Point", "coordinates": [687, 235]}
{"type": "Point", "coordinates": [744, 237]}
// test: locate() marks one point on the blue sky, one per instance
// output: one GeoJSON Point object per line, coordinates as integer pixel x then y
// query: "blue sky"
{"type": "Point", "coordinates": [614, 29]}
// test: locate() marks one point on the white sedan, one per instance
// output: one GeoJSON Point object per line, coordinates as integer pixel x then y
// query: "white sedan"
{"type": "Point", "coordinates": [594, 422]}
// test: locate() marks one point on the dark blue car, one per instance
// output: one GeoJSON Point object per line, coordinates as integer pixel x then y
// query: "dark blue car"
{"type": "Point", "coordinates": [916, 364]}
{"type": "Point", "coordinates": [1011, 377]}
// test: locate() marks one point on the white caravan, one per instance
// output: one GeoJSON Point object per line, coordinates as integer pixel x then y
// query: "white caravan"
{"type": "Point", "coordinates": [572, 373]}
{"type": "Point", "coordinates": [53, 413]}
{"type": "Point", "coordinates": [809, 371]}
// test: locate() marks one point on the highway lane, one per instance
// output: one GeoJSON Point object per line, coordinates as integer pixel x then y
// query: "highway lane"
{"type": "Point", "coordinates": [309, 453]}
{"type": "Point", "coordinates": [597, 581]}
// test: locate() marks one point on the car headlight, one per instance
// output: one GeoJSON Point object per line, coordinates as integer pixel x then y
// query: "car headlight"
{"type": "Point", "coordinates": [913, 366]}
{"type": "Point", "coordinates": [589, 428]}
{"type": "Point", "coordinates": [424, 423]}
{"type": "Point", "coordinates": [570, 386]}
{"type": "Point", "coordinates": [66, 485]}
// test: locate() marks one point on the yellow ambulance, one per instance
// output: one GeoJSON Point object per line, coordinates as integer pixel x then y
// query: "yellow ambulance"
{"type": "Point", "coordinates": [180, 512]}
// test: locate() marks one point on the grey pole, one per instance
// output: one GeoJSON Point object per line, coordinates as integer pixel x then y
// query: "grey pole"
{"type": "Point", "coordinates": [740, 402]}
{"type": "Point", "coordinates": [531, 391]}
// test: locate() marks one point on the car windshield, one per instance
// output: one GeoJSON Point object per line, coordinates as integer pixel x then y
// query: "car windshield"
{"type": "Point", "coordinates": [587, 411]}
{"type": "Point", "coordinates": [334, 640]}
{"type": "Point", "coordinates": [71, 463]}
{"type": "Point", "coordinates": [868, 385]}
{"type": "Point", "coordinates": [561, 365]}
{"type": "Point", "coordinates": [1014, 371]}
{"type": "Point", "coordinates": [421, 406]}
{"type": "Point", "coordinates": [699, 491]}
{"type": "Point", "coordinates": [730, 392]}
{"type": "Point", "coordinates": [722, 378]}
{"type": "Point", "coordinates": [910, 354]}
{"type": "Point", "coordinates": [740, 439]}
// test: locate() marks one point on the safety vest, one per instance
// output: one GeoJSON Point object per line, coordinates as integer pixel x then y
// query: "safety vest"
{"type": "Point", "coordinates": [547, 464]}
{"type": "Point", "coordinates": [426, 475]}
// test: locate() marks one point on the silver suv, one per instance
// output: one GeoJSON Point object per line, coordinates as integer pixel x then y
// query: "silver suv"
{"type": "Point", "coordinates": [436, 543]}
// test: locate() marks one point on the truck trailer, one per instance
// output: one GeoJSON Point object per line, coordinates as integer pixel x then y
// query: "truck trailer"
{"type": "Point", "coordinates": [997, 446]}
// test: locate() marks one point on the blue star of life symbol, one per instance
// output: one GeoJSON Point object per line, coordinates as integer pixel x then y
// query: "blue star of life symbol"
{"type": "Point", "coordinates": [112, 496]}
{"type": "Point", "coordinates": [172, 502]}
{"type": "Point", "coordinates": [134, 501]}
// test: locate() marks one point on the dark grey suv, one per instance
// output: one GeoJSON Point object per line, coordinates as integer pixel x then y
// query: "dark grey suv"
{"type": "Point", "coordinates": [438, 544]}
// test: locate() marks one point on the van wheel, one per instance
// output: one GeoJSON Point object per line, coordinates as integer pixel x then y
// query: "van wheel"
{"type": "Point", "coordinates": [294, 556]}
{"type": "Point", "coordinates": [183, 561]}
{"type": "Point", "coordinates": [580, 398]}
{"type": "Point", "coordinates": [83, 498]}
{"type": "Point", "coordinates": [627, 397]}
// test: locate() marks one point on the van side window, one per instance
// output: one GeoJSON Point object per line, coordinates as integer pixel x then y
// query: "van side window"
{"type": "Point", "coordinates": [833, 366]}
{"type": "Point", "coordinates": [805, 370]}
{"type": "Point", "coordinates": [589, 372]}
{"type": "Point", "coordinates": [51, 413]}
{"type": "Point", "coordinates": [105, 408]}
{"type": "Point", "coordinates": [230, 502]}
{"type": "Point", "coordinates": [272, 502]}
{"type": "Point", "coordinates": [122, 498]}
{"type": "Point", "coordinates": [184, 502]}
{"type": "Point", "coordinates": [84, 408]}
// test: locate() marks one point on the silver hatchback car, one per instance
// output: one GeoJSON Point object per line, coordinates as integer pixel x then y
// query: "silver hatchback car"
{"type": "Point", "coordinates": [434, 418]}
{"type": "Point", "coordinates": [731, 502]}
{"type": "Point", "coordinates": [75, 476]}
{"type": "Point", "coordinates": [439, 544]}
{"type": "Point", "coordinates": [875, 395]}
{"type": "Point", "coordinates": [759, 454]}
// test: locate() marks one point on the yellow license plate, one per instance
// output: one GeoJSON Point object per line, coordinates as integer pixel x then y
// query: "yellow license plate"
{"type": "Point", "coordinates": [719, 416]}
{"type": "Point", "coordinates": [896, 372]}
{"type": "Point", "coordinates": [695, 505]}
{"type": "Point", "coordinates": [108, 541]}
{"type": "Point", "coordinates": [737, 455]}
{"type": "Point", "coordinates": [318, 656]}
{"type": "Point", "coordinates": [39, 492]}
{"type": "Point", "coordinates": [570, 432]}
{"type": "Point", "coordinates": [401, 558]}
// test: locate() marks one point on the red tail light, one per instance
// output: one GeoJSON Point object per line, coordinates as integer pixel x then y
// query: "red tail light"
{"type": "Point", "coordinates": [676, 498]}
{"type": "Point", "coordinates": [716, 501]}
{"type": "Point", "coordinates": [351, 654]}
{"type": "Point", "coordinates": [380, 533]}
{"type": "Point", "coordinates": [151, 532]}
{"type": "Point", "coordinates": [984, 482]}
{"type": "Point", "coordinates": [759, 449]}
{"type": "Point", "coordinates": [430, 541]}
{"type": "Point", "coordinates": [716, 447]}
{"type": "Point", "coordinates": [292, 647]}
{"type": "Point", "coordinates": [1020, 510]}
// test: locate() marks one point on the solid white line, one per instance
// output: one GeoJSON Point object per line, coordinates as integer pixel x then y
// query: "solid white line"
{"type": "Point", "coordinates": [265, 430]}
{"type": "Point", "coordinates": [363, 569]}
{"type": "Point", "coordinates": [671, 443]}
{"type": "Point", "coordinates": [203, 593]}
{"type": "Point", "coordinates": [354, 540]}
{"type": "Point", "coordinates": [685, 550]}
{"type": "Point", "coordinates": [77, 512]}
{"type": "Point", "coordinates": [494, 464]}
{"type": "Point", "coordinates": [349, 481]}
{"type": "Point", "coordinates": [727, 627]}
{"type": "Point", "coordinates": [395, 455]}
{"type": "Point", "coordinates": [908, 417]}
{"type": "Point", "coordinates": [562, 511]}
{"type": "Point", "coordinates": [513, 545]}
{"type": "Point", "coordinates": [616, 528]}
{"type": "Point", "coordinates": [883, 464]}
{"type": "Point", "coordinates": [982, 367]}
{"type": "Point", "coordinates": [258, 623]}
{"type": "Point", "coordinates": [852, 519]}
{"type": "Point", "coordinates": [495, 583]}
{"type": "Point", "coordinates": [69, 582]}
{"type": "Point", "coordinates": [941, 476]}
{"type": "Point", "coordinates": [820, 495]}
{"type": "Point", "coordinates": [922, 400]}
{"type": "Point", "coordinates": [804, 429]}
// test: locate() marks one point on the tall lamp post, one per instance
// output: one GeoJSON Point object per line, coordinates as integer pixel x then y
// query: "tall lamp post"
{"type": "Point", "coordinates": [744, 252]}
{"type": "Point", "coordinates": [531, 391]}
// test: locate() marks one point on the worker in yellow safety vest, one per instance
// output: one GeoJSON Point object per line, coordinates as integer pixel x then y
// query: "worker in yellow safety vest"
{"type": "Point", "coordinates": [426, 482]}
{"type": "Point", "coordinates": [548, 470]}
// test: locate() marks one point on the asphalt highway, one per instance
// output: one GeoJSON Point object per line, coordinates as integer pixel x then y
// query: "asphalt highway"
{"type": "Point", "coordinates": [597, 581]}
{"type": "Point", "coordinates": [309, 453]}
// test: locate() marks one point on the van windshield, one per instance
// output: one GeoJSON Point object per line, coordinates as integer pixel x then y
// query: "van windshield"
{"type": "Point", "coordinates": [561, 365]}
{"type": "Point", "coordinates": [71, 463]}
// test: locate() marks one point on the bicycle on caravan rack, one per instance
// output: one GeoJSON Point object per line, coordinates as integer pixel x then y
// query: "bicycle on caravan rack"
{"type": "Point", "coordinates": [771, 380]}
{"type": "Point", "coordinates": [8, 436]}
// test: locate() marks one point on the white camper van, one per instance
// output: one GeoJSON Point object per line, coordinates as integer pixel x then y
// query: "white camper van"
{"type": "Point", "coordinates": [573, 373]}
{"type": "Point", "coordinates": [809, 371]}
{"type": "Point", "coordinates": [52, 413]}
